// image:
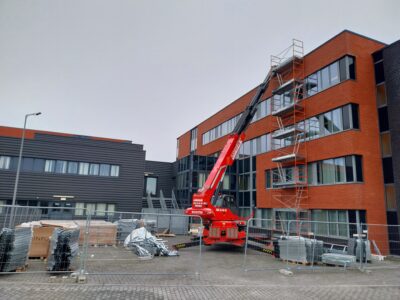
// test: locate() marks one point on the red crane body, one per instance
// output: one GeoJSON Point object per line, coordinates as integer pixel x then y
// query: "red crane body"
{"type": "Point", "coordinates": [221, 224]}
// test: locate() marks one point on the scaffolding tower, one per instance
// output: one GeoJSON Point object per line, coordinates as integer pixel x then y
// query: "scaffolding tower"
{"type": "Point", "coordinates": [289, 177]}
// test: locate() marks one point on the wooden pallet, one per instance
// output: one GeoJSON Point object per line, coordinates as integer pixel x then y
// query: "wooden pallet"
{"type": "Point", "coordinates": [21, 269]}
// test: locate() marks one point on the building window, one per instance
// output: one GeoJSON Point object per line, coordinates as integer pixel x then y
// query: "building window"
{"type": "Point", "coordinates": [49, 166]}
{"type": "Point", "coordinates": [390, 197]}
{"type": "Point", "coordinates": [193, 139]}
{"type": "Point", "coordinates": [330, 222]}
{"type": "Point", "coordinates": [27, 164]}
{"type": "Point", "coordinates": [379, 73]}
{"type": "Point", "coordinates": [94, 169]}
{"type": "Point", "coordinates": [381, 99]}
{"type": "Point", "coordinates": [90, 208]}
{"type": "Point", "coordinates": [83, 168]}
{"type": "Point", "coordinates": [330, 75]}
{"type": "Point", "coordinates": [114, 171]}
{"type": "Point", "coordinates": [151, 185]}
{"type": "Point", "coordinates": [5, 162]}
{"type": "Point", "coordinates": [338, 170]}
{"type": "Point", "coordinates": [101, 209]}
{"type": "Point", "coordinates": [383, 119]}
{"type": "Point", "coordinates": [72, 167]}
{"type": "Point", "coordinates": [104, 170]}
{"type": "Point", "coordinates": [110, 209]}
{"type": "Point", "coordinates": [387, 170]}
{"type": "Point", "coordinates": [61, 166]}
{"type": "Point", "coordinates": [79, 208]}
{"type": "Point", "coordinates": [386, 144]}
{"type": "Point", "coordinates": [38, 165]}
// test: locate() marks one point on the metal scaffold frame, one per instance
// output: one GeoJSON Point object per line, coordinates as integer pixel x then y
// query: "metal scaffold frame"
{"type": "Point", "coordinates": [289, 178]}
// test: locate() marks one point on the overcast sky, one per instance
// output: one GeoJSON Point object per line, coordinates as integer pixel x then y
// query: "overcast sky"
{"type": "Point", "coordinates": [148, 71]}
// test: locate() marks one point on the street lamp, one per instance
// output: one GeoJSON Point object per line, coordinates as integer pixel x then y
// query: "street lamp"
{"type": "Point", "coordinates": [19, 167]}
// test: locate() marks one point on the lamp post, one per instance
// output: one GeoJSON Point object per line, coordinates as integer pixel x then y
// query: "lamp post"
{"type": "Point", "coordinates": [19, 168]}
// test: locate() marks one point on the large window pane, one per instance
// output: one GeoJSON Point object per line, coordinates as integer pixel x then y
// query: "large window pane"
{"type": "Point", "coordinates": [390, 197]}
{"type": "Point", "coordinates": [337, 124]}
{"type": "Point", "coordinates": [83, 168]}
{"type": "Point", "coordinates": [359, 173]}
{"type": "Point", "coordinates": [387, 170]}
{"type": "Point", "coordinates": [334, 73]}
{"type": "Point", "coordinates": [268, 179]}
{"type": "Point", "coordinates": [94, 169]}
{"type": "Point", "coordinates": [346, 117]}
{"type": "Point", "coordinates": [332, 217]}
{"type": "Point", "coordinates": [386, 144]}
{"type": "Point", "coordinates": [352, 67]}
{"type": "Point", "coordinates": [104, 170]}
{"type": "Point", "coordinates": [343, 223]}
{"type": "Point", "coordinates": [343, 69]}
{"type": "Point", "coordinates": [61, 166]}
{"type": "Point", "coordinates": [328, 125]}
{"type": "Point", "coordinates": [381, 95]}
{"type": "Point", "coordinates": [340, 166]}
{"type": "Point", "coordinates": [328, 171]}
{"type": "Point", "coordinates": [114, 171]}
{"type": "Point", "coordinates": [379, 73]}
{"type": "Point", "coordinates": [325, 78]}
{"type": "Point", "coordinates": [320, 226]}
{"type": "Point", "coordinates": [101, 209]}
{"type": "Point", "coordinates": [79, 207]}
{"type": "Point", "coordinates": [27, 164]}
{"type": "Point", "coordinates": [49, 166]}
{"type": "Point", "coordinates": [349, 169]}
{"type": "Point", "coordinates": [72, 167]}
{"type": "Point", "coordinates": [5, 162]}
{"type": "Point", "coordinates": [151, 185]}
{"type": "Point", "coordinates": [354, 116]}
{"type": "Point", "coordinates": [383, 119]}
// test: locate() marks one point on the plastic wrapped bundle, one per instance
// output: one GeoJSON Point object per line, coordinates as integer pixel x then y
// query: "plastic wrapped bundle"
{"type": "Point", "coordinates": [14, 248]}
{"type": "Point", "coordinates": [144, 244]}
{"type": "Point", "coordinates": [64, 246]}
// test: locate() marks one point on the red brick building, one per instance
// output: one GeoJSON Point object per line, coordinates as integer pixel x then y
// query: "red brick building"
{"type": "Point", "coordinates": [319, 144]}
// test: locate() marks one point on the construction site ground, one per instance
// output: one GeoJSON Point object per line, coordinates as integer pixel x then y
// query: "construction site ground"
{"type": "Point", "coordinates": [222, 277]}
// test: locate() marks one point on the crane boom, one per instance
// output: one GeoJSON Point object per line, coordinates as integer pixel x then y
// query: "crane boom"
{"type": "Point", "coordinates": [221, 223]}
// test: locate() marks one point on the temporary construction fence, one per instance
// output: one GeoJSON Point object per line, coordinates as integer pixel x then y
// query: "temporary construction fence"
{"type": "Point", "coordinates": [311, 245]}
{"type": "Point", "coordinates": [98, 243]}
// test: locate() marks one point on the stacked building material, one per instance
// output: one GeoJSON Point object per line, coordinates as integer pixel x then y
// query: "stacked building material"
{"type": "Point", "coordinates": [125, 227]}
{"type": "Point", "coordinates": [144, 244]}
{"type": "Point", "coordinates": [300, 249]}
{"type": "Point", "coordinates": [360, 248]}
{"type": "Point", "coordinates": [338, 259]}
{"type": "Point", "coordinates": [14, 248]}
{"type": "Point", "coordinates": [100, 232]}
{"type": "Point", "coordinates": [64, 247]}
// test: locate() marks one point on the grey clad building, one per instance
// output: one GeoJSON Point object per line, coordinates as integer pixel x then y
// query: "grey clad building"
{"type": "Point", "coordinates": [62, 171]}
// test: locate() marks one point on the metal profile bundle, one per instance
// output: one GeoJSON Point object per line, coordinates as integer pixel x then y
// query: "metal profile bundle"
{"type": "Point", "coordinates": [14, 248]}
{"type": "Point", "coordinates": [64, 246]}
{"type": "Point", "coordinates": [300, 249]}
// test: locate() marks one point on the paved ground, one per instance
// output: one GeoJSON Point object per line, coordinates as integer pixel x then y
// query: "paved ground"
{"type": "Point", "coordinates": [222, 277]}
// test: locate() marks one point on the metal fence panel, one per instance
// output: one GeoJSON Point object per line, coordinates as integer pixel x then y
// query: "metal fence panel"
{"type": "Point", "coordinates": [95, 243]}
{"type": "Point", "coordinates": [310, 245]}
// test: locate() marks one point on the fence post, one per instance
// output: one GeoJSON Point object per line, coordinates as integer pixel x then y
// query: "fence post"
{"type": "Point", "coordinates": [245, 245]}
{"type": "Point", "coordinates": [83, 260]}
{"type": "Point", "coordinates": [199, 264]}
{"type": "Point", "coordinates": [287, 243]}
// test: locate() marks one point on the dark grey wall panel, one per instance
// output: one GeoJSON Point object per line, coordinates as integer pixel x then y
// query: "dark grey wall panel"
{"type": "Point", "coordinates": [165, 174]}
{"type": "Point", "coordinates": [391, 59]}
{"type": "Point", "coordinates": [125, 191]}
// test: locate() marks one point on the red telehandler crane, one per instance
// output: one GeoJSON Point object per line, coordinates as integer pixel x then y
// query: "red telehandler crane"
{"type": "Point", "coordinates": [219, 213]}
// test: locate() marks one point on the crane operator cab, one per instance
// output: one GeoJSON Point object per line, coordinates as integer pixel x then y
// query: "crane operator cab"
{"type": "Point", "coordinates": [226, 201]}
